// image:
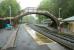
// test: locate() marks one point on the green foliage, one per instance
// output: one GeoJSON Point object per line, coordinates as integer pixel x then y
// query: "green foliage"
{"type": "Point", "coordinates": [29, 19]}
{"type": "Point", "coordinates": [4, 8]}
{"type": "Point", "coordinates": [41, 18]}
{"type": "Point", "coordinates": [67, 7]}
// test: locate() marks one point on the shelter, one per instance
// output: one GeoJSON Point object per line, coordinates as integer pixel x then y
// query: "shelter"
{"type": "Point", "coordinates": [70, 24]}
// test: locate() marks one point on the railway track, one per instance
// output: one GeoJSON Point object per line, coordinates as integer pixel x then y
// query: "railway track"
{"type": "Point", "coordinates": [67, 37]}
{"type": "Point", "coordinates": [64, 39]}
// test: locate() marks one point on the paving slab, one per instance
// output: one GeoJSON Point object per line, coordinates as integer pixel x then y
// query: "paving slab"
{"type": "Point", "coordinates": [4, 36]}
{"type": "Point", "coordinates": [24, 41]}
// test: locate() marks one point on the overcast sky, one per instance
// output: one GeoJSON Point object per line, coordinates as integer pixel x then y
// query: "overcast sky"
{"type": "Point", "coordinates": [28, 3]}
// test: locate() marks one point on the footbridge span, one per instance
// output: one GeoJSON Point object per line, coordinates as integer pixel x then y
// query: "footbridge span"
{"type": "Point", "coordinates": [32, 10]}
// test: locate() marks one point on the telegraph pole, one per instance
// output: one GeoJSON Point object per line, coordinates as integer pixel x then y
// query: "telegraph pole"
{"type": "Point", "coordinates": [10, 13]}
{"type": "Point", "coordinates": [59, 18]}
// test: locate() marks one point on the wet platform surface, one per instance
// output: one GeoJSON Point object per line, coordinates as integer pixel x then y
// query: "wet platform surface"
{"type": "Point", "coordinates": [24, 41]}
{"type": "Point", "coordinates": [4, 36]}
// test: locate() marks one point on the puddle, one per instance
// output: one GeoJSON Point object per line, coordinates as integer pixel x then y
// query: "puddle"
{"type": "Point", "coordinates": [39, 38]}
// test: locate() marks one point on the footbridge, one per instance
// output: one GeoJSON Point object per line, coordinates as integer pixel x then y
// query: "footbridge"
{"type": "Point", "coordinates": [32, 10]}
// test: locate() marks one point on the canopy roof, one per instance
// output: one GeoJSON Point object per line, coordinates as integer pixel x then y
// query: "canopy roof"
{"type": "Point", "coordinates": [70, 19]}
{"type": "Point", "coordinates": [6, 18]}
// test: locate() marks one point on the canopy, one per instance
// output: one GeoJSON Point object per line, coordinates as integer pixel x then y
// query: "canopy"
{"type": "Point", "coordinates": [70, 19]}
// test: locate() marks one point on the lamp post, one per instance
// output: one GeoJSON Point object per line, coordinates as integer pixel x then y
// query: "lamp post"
{"type": "Point", "coordinates": [10, 13]}
{"type": "Point", "coordinates": [59, 18]}
{"type": "Point", "coordinates": [60, 12]}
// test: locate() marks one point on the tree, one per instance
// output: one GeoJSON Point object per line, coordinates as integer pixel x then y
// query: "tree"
{"type": "Point", "coordinates": [4, 8]}
{"type": "Point", "coordinates": [67, 7]}
{"type": "Point", "coordinates": [29, 19]}
{"type": "Point", "coordinates": [41, 18]}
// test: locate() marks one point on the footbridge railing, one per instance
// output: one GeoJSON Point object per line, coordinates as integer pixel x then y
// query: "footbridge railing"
{"type": "Point", "coordinates": [32, 10]}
